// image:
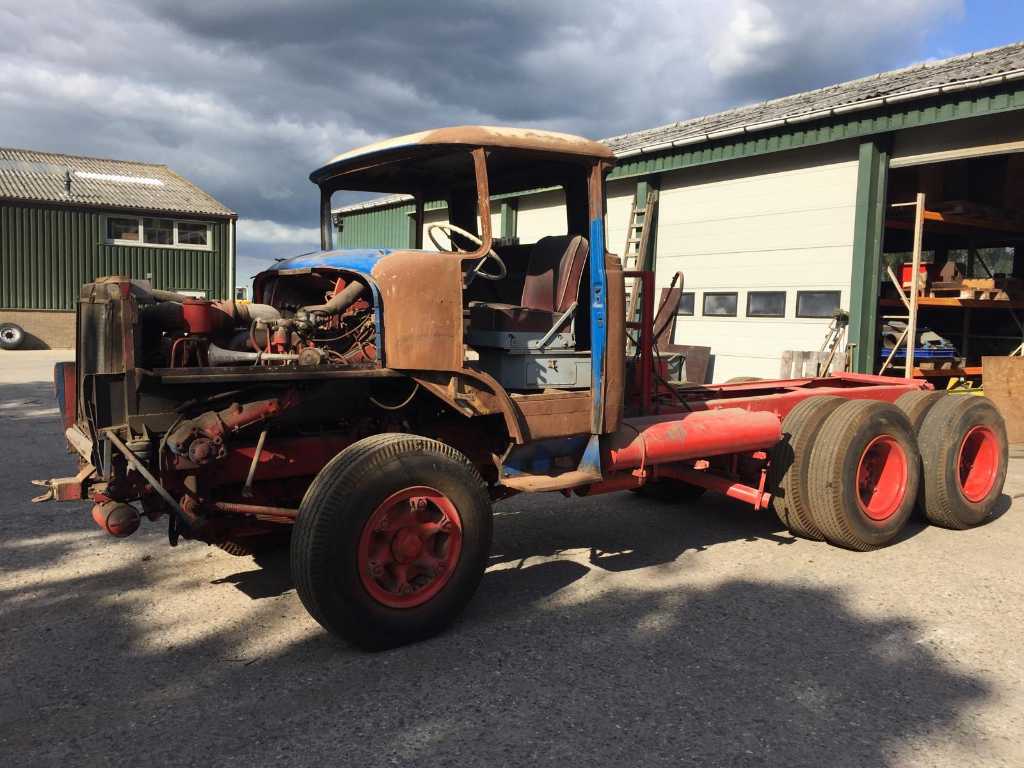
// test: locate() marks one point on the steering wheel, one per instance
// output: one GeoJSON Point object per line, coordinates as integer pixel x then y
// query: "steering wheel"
{"type": "Point", "coordinates": [477, 271]}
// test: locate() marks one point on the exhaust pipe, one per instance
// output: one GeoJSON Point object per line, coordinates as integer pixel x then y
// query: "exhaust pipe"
{"type": "Point", "coordinates": [116, 518]}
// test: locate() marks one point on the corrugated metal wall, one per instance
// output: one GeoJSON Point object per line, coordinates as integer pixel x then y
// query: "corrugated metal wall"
{"type": "Point", "coordinates": [46, 254]}
{"type": "Point", "coordinates": [384, 228]}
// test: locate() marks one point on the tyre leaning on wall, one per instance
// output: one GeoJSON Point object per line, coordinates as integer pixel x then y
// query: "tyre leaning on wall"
{"type": "Point", "coordinates": [11, 336]}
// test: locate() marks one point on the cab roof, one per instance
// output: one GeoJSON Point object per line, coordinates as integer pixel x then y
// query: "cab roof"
{"type": "Point", "coordinates": [435, 143]}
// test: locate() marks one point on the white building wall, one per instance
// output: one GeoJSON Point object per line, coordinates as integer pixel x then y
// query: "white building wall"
{"type": "Point", "coordinates": [540, 215]}
{"type": "Point", "coordinates": [440, 216]}
{"type": "Point", "coordinates": [618, 201]}
{"type": "Point", "coordinates": [780, 222]}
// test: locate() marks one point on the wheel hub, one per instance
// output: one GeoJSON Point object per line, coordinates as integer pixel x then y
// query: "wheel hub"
{"type": "Point", "coordinates": [978, 463]}
{"type": "Point", "coordinates": [882, 478]}
{"type": "Point", "coordinates": [409, 547]}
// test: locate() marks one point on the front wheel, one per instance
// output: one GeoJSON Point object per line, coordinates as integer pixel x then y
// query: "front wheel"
{"type": "Point", "coordinates": [391, 540]}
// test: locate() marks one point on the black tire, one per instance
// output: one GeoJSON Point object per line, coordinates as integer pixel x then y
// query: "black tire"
{"type": "Point", "coordinates": [789, 462]}
{"type": "Point", "coordinates": [948, 498]}
{"type": "Point", "coordinates": [858, 435]}
{"type": "Point", "coordinates": [916, 406]}
{"type": "Point", "coordinates": [11, 336]}
{"type": "Point", "coordinates": [341, 501]}
{"type": "Point", "coordinates": [670, 491]}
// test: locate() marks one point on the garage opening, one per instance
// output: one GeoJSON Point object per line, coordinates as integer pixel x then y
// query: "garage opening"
{"type": "Point", "coordinates": [970, 283]}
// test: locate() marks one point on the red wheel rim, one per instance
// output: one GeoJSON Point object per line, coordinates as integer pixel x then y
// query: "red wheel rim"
{"type": "Point", "coordinates": [409, 547]}
{"type": "Point", "coordinates": [882, 478]}
{"type": "Point", "coordinates": [978, 463]}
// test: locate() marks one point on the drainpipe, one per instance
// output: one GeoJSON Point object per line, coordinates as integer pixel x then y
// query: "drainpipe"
{"type": "Point", "coordinates": [231, 260]}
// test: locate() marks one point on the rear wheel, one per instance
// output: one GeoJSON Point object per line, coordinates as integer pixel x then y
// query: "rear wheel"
{"type": "Point", "coordinates": [916, 406]}
{"type": "Point", "coordinates": [864, 474]}
{"type": "Point", "coordinates": [963, 453]}
{"type": "Point", "coordinates": [391, 540]}
{"type": "Point", "coordinates": [790, 459]}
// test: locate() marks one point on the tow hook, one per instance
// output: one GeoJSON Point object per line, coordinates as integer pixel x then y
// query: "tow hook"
{"type": "Point", "coordinates": [64, 488]}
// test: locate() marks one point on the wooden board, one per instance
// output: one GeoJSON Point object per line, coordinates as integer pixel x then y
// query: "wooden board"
{"type": "Point", "coordinates": [1003, 381]}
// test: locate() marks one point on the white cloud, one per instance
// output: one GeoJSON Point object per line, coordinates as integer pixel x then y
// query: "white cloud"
{"type": "Point", "coordinates": [246, 98]}
{"type": "Point", "coordinates": [265, 231]}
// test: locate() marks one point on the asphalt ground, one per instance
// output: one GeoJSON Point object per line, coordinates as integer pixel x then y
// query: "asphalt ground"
{"type": "Point", "coordinates": [611, 631]}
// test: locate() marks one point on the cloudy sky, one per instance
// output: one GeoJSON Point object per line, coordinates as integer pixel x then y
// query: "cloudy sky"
{"type": "Point", "coordinates": [246, 97]}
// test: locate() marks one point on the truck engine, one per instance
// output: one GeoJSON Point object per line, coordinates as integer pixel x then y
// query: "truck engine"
{"type": "Point", "coordinates": [306, 320]}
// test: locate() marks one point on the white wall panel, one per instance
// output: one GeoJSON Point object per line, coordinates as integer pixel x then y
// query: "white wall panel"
{"type": "Point", "coordinates": [541, 215]}
{"type": "Point", "coordinates": [782, 222]}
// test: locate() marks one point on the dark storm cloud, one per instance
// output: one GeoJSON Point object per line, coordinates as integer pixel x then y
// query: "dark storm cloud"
{"type": "Point", "coordinates": [245, 98]}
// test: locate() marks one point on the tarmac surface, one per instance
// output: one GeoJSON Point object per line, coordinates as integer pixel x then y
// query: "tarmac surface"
{"type": "Point", "coordinates": [611, 631]}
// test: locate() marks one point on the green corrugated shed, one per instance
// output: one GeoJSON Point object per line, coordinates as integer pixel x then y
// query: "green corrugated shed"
{"type": "Point", "coordinates": [48, 252]}
{"type": "Point", "coordinates": [383, 228]}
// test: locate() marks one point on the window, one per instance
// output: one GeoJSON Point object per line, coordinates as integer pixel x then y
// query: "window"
{"type": "Point", "coordinates": [123, 229]}
{"type": "Point", "coordinates": [816, 303]}
{"type": "Point", "coordinates": [766, 304]}
{"type": "Point", "coordinates": [192, 233]}
{"type": "Point", "coordinates": [720, 304]}
{"type": "Point", "coordinates": [158, 231]}
{"type": "Point", "coordinates": [686, 304]}
{"type": "Point", "coordinates": [161, 233]}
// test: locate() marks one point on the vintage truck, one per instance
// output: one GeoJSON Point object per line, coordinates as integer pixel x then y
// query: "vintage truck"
{"type": "Point", "coordinates": [377, 402]}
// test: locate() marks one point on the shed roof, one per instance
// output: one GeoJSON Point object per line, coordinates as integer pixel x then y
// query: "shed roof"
{"type": "Point", "coordinates": [959, 73]}
{"type": "Point", "coordinates": [34, 176]}
{"type": "Point", "coordinates": [962, 73]}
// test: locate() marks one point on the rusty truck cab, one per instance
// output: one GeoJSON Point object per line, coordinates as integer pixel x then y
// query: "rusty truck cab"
{"type": "Point", "coordinates": [489, 322]}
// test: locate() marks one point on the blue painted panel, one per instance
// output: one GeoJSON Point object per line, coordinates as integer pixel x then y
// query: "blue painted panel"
{"type": "Point", "coordinates": [356, 259]}
{"type": "Point", "coordinates": [598, 320]}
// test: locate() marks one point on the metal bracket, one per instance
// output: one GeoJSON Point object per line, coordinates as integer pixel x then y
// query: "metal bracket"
{"type": "Point", "coordinates": [559, 323]}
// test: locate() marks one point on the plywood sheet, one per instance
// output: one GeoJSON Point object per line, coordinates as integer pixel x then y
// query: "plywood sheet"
{"type": "Point", "coordinates": [1003, 380]}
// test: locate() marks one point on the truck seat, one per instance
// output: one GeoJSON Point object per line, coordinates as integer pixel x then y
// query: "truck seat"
{"type": "Point", "coordinates": [552, 284]}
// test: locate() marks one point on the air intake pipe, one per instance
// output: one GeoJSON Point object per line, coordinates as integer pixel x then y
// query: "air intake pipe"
{"type": "Point", "coordinates": [341, 301]}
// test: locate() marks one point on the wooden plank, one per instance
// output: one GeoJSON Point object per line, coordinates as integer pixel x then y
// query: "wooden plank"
{"type": "Point", "coordinates": [1003, 381]}
{"type": "Point", "coordinates": [915, 272]}
{"type": "Point", "coordinates": [954, 301]}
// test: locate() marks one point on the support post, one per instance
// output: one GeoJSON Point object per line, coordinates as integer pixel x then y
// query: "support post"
{"type": "Point", "coordinates": [509, 218]}
{"type": "Point", "coordinates": [915, 284]}
{"type": "Point", "coordinates": [869, 228]}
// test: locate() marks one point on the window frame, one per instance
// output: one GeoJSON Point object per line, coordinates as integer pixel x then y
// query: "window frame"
{"type": "Point", "coordinates": [704, 303]}
{"type": "Point", "coordinates": [785, 302]}
{"type": "Point", "coordinates": [839, 304]}
{"type": "Point", "coordinates": [141, 243]}
{"type": "Point", "coordinates": [693, 304]}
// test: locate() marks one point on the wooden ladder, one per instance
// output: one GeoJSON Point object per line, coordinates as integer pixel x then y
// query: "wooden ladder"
{"type": "Point", "coordinates": [635, 251]}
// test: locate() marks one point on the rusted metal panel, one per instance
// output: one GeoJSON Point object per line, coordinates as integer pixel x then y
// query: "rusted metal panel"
{"type": "Point", "coordinates": [422, 301]}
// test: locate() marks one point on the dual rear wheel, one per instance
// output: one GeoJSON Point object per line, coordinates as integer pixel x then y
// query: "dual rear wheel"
{"type": "Point", "coordinates": [852, 471]}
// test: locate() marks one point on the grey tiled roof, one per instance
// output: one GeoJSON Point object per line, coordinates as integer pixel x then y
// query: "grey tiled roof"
{"type": "Point", "coordinates": [41, 177]}
{"type": "Point", "coordinates": [959, 73]}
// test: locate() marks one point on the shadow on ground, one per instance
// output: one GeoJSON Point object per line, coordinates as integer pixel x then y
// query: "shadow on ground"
{"type": "Point", "coordinates": [539, 671]}
{"type": "Point", "coordinates": [741, 674]}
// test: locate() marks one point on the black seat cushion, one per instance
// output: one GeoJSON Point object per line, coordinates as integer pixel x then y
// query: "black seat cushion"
{"type": "Point", "coordinates": [490, 316]}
